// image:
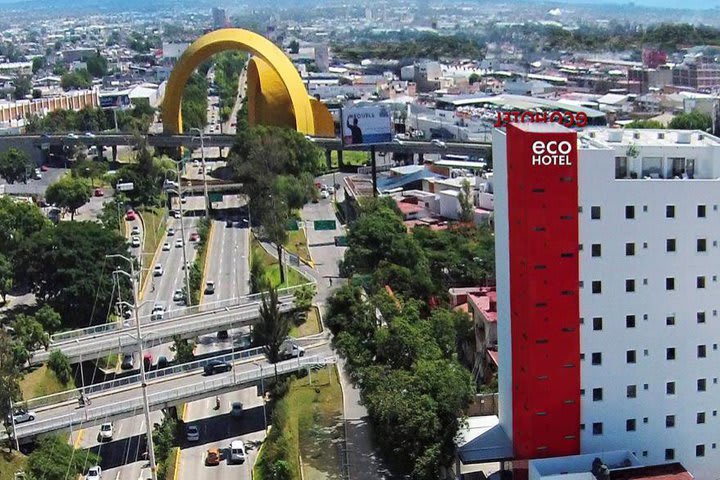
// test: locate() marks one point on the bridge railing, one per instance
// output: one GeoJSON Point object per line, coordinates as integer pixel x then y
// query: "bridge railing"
{"type": "Point", "coordinates": [174, 314]}
{"type": "Point", "coordinates": [169, 396]}
{"type": "Point", "coordinates": [97, 388]}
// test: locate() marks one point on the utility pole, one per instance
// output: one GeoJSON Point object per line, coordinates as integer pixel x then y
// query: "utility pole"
{"type": "Point", "coordinates": [186, 267]}
{"type": "Point", "coordinates": [146, 404]}
{"type": "Point", "coordinates": [202, 156]}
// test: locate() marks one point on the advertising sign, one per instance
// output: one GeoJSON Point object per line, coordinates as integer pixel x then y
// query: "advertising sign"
{"type": "Point", "coordinates": [366, 125]}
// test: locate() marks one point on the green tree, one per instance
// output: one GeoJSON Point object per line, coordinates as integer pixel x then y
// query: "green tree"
{"type": "Point", "coordinates": [69, 193]}
{"type": "Point", "coordinates": [303, 297]}
{"type": "Point", "coordinates": [54, 459]}
{"type": "Point", "coordinates": [78, 79]}
{"type": "Point", "coordinates": [294, 47]}
{"type": "Point", "coordinates": [18, 221]}
{"type": "Point", "coordinates": [49, 319]}
{"type": "Point", "coordinates": [183, 349]}
{"type": "Point", "coordinates": [6, 276]}
{"type": "Point", "coordinates": [23, 86]}
{"type": "Point", "coordinates": [36, 93]}
{"type": "Point", "coordinates": [38, 63]}
{"type": "Point", "coordinates": [258, 279]}
{"type": "Point", "coordinates": [273, 327]}
{"type": "Point", "coordinates": [89, 169]}
{"type": "Point", "coordinates": [653, 124]}
{"type": "Point", "coordinates": [195, 102]}
{"type": "Point", "coordinates": [30, 332]}
{"type": "Point", "coordinates": [467, 210]}
{"type": "Point", "coordinates": [59, 363]}
{"type": "Point", "coordinates": [692, 121]}
{"type": "Point", "coordinates": [14, 165]}
{"type": "Point", "coordinates": [97, 65]}
{"type": "Point", "coordinates": [9, 376]}
{"type": "Point", "coordinates": [474, 78]}
{"type": "Point", "coordinates": [165, 437]}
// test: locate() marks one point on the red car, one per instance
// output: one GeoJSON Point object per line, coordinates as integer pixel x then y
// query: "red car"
{"type": "Point", "coordinates": [43, 168]}
{"type": "Point", "coordinates": [130, 215]}
{"type": "Point", "coordinates": [194, 237]}
{"type": "Point", "coordinates": [99, 192]}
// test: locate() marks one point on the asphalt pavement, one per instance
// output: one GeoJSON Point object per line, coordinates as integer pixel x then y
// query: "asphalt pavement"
{"type": "Point", "coordinates": [33, 187]}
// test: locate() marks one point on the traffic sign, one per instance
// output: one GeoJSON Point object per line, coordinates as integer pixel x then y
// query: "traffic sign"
{"type": "Point", "coordinates": [215, 197]}
{"type": "Point", "coordinates": [292, 225]}
{"type": "Point", "coordinates": [324, 224]}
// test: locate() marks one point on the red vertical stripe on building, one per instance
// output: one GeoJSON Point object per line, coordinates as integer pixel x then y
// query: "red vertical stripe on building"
{"type": "Point", "coordinates": [543, 225]}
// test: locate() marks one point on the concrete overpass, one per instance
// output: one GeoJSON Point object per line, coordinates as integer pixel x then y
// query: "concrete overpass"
{"type": "Point", "coordinates": [167, 391]}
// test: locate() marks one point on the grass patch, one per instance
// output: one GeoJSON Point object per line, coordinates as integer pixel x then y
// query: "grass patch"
{"type": "Point", "coordinates": [168, 468]}
{"type": "Point", "coordinates": [307, 422]}
{"type": "Point", "coordinates": [311, 326]}
{"type": "Point", "coordinates": [41, 382]}
{"type": "Point", "coordinates": [11, 462]}
{"type": "Point", "coordinates": [155, 221]}
{"type": "Point", "coordinates": [297, 244]}
{"type": "Point", "coordinates": [350, 157]}
{"type": "Point", "coordinates": [109, 362]}
{"type": "Point", "coordinates": [272, 268]}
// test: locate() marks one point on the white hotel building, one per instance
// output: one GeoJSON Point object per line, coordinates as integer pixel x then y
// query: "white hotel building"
{"type": "Point", "coordinates": [608, 267]}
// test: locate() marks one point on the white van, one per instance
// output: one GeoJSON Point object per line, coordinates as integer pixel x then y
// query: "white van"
{"type": "Point", "coordinates": [237, 452]}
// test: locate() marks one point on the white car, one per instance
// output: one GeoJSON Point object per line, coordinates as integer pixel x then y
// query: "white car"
{"type": "Point", "coordinates": [135, 230]}
{"type": "Point", "coordinates": [193, 433]}
{"type": "Point", "coordinates": [89, 135]}
{"type": "Point", "coordinates": [179, 295]}
{"type": "Point", "coordinates": [171, 232]}
{"type": "Point", "coordinates": [158, 270]}
{"type": "Point", "coordinates": [72, 135]}
{"type": "Point", "coordinates": [135, 241]}
{"type": "Point", "coordinates": [22, 416]}
{"type": "Point", "coordinates": [166, 247]}
{"type": "Point", "coordinates": [331, 189]}
{"type": "Point", "coordinates": [106, 432]}
{"type": "Point", "coordinates": [178, 243]}
{"type": "Point", "coordinates": [158, 312]}
{"type": "Point", "coordinates": [438, 143]}
{"type": "Point", "coordinates": [237, 452]}
{"type": "Point", "coordinates": [95, 473]}
{"type": "Point", "coordinates": [324, 194]}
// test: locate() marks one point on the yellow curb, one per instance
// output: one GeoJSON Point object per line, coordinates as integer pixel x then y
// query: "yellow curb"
{"type": "Point", "coordinates": [78, 439]}
{"type": "Point", "coordinates": [184, 412]}
{"type": "Point", "coordinates": [310, 263]}
{"type": "Point", "coordinates": [148, 275]}
{"type": "Point", "coordinates": [177, 464]}
{"type": "Point", "coordinates": [207, 256]}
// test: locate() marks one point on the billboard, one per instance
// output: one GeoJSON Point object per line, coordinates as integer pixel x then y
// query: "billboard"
{"type": "Point", "coordinates": [366, 125]}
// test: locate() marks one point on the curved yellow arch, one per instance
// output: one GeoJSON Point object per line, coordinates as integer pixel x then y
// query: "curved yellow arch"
{"type": "Point", "coordinates": [324, 123]}
{"type": "Point", "coordinates": [263, 49]}
{"type": "Point", "coordinates": [269, 101]}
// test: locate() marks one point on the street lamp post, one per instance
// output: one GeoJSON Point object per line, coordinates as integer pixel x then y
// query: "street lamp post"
{"type": "Point", "coordinates": [202, 156]}
{"type": "Point", "coordinates": [146, 404]}
{"type": "Point", "coordinates": [182, 232]}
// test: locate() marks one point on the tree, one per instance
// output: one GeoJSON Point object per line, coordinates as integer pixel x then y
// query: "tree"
{"type": "Point", "coordinates": [60, 365]}
{"type": "Point", "coordinates": [653, 124]}
{"type": "Point", "coordinates": [274, 327]}
{"type": "Point", "coordinates": [183, 349]}
{"type": "Point", "coordinates": [303, 297]}
{"type": "Point", "coordinates": [79, 79]}
{"type": "Point", "coordinates": [69, 193]}
{"type": "Point", "coordinates": [164, 437]}
{"type": "Point", "coordinates": [18, 221]}
{"type": "Point", "coordinates": [467, 210]}
{"type": "Point", "coordinates": [23, 85]}
{"type": "Point", "coordinates": [54, 459]}
{"type": "Point", "coordinates": [97, 65]}
{"type": "Point", "coordinates": [692, 121]}
{"type": "Point", "coordinates": [9, 375]}
{"type": "Point", "coordinates": [48, 318]}
{"type": "Point", "coordinates": [258, 280]}
{"type": "Point", "coordinates": [294, 47]}
{"type": "Point", "coordinates": [30, 332]}
{"type": "Point", "coordinates": [38, 63]}
{"type": "Point", "coordinates": [36, 93]}
{"type": "Point", "coordinates": [90, 169]}
{"type": "Point", "coordinates": [474, 78]}
{"type": "Point", "coordinates": [6, 276]}
{"type": "Point", "coordinates": [14, 165]}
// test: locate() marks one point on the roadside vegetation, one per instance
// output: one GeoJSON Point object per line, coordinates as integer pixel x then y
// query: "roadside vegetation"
{"type": "Point", "coordinates": [228, 66]}
{"type": "Point", "coordinates": [198, 267]}
{"type": "Point", "coordinates": [195, 102]}
{"type": "Point", "coordinates": [155, 223]}
{"type": "Point", "coordinates": [137, 119]}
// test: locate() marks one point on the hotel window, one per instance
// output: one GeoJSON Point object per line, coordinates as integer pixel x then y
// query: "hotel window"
{"type": "Point", "coordinates": [669, 421]}
{"type": "Point", "coordinates": [596, 286]}
{"type": "Point", "coordinates": [630, 425]}
{"type": "Point", "coordinates": [630, 321]}
{"type": "Point", "coordinates": [629, 249]}
{"type": "Point", "coordinates": [597, 394]}
{"type": "Point", "coordinates": [596, 250]}
{"type": "Point", "coordinates": [670, 245]}
{"type": "Point", "coordinates": [621, 167]}
{"type": "Point", "coordinates": [700, 418]}
{"type": "Point", "coordinates": [597, 323]}
{"type": "Point", "coordinates": [700, 282]}
{"type": "Point", "coordinates": [597, 358]}
{"type": "Point", "coordinates": [630, 356]}
{"type": "Point", "coordinates": [631, 391]}
{"type": "Point", "coordinates": [670, 388]}
{"type": "Point", "coordinates": [670, 211]}
{"type": "Point", "coordinates": [652, 167]}
{"type": "Point", "coordinates": [701, 245]}
{"type": "Point", "coordinates": [700, 317]}
{"type": "Point", "coordinates": [699, 450]}
{"type": "Point", "coordinates": [630, 285]}
{"type": "Point", "coordinates": [669, 321]}
{"type": "Point", "coordinates": [701, 384]}
{"type": "Point", "coordinates": [701, 209]}
{"type": "Point", "coordinates": [629, 211]}
{"type": "Point", "coordinates": [597, 428]}
{"type": "Point", "coordinates": [670, 283]}
{"type": "Point", "coordinates": [595, 213]}
{"type": "Point", "coordinates": [670, 353]}
{"type": "Point", "coordinates": [669, 454]}
{"type": "Point", "coordinates": [701, 351]}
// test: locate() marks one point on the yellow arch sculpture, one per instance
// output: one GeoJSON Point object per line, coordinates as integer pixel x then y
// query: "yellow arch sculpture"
{"type": "Point", "coordinates": [276, 93]}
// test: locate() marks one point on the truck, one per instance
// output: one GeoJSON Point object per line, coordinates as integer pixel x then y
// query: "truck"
{"type": "Point", "coordinates": [290, 349]}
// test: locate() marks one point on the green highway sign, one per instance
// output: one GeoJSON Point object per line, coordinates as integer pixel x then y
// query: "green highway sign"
{"type": "Point", "coordinates": [215, 197]}
{"type": "Point", "coordinates": [292, 225]}
{"type": "Point", "coordinates": [324, 224]}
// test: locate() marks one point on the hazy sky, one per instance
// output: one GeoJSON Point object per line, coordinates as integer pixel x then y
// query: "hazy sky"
{"type": "Point", "coordinates": [659, 3]}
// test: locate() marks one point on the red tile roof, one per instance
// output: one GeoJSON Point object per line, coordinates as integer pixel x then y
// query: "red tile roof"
{"type": "Point", "coordinates": [493, 356]}
{"type": "Point", "coordinates": [408, 208]}
{"type": "Point", "coordinates": [481, 301]}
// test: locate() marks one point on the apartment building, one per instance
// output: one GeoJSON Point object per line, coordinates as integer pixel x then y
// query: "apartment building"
{"type": "Point", "coordinates": [607, 280]}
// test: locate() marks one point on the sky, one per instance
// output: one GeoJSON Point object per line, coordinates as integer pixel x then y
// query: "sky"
{"type": "Point", "coordinates": [658, 3]}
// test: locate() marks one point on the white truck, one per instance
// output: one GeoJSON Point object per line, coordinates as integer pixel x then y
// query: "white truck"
{"type": "Point", "coordinates": [290, 349]}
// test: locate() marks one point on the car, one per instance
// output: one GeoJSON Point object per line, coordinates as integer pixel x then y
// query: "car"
{"type": "Point", "coordinates": [179, 295]}
{"type": "Point", "coordinates": [148, 361]}
{"type": "Point", "coordinates": [179, 243]}
{"type": "Point", "coordinates": [196, 163]}
{"type": "Point", "coordinates": [331, 189]}
{"type": "Point", "coordinates": [437, 142]}
{"type": "Point", "coordinates": [158, 312]}
{"type": "Point", "coordinates": [157, 270]}
{"type": "Point", "coordinates": [171, 232]}
{"type": "Point", "coordinates": [236, 409]}
{"type": "Point", "coordinates": [200, 170]}
{"type": "Point", "coordinates": [216, 366]}
{"type": "Point", "coordinates": [130, 216]}
{"type": "Point", "coordinates": [324, 194]}
{"type": "Point", "coordinates": [95, 473]}
{"type": "Point", "coordinates": [212, 457]}
{"type": "Point", "coordinates": [135, 230]}
{"type": "Point", "coordinates": [209, 287]}
{"type": "Point", "coordinates": [37, 174]}
{"type": "Point", "coordinates": [223, 335]}
{"type": "Point", "coordinates": [99, 192]}
{"type": "Point", "coordinates": [22, 416]}
{"type": "Point", "coordinates": [174, 214]}
{"type": "Point", "coordinates": [183, 200]}
{"type": "Point", "coordinates": [290, 349]}
{"type": "Point", "coordinates": [135, 241]}
{"type": "Point", "coordinates": [89, 135]}
{"type": "Point", "coordinates": [193, 433]}
{"type": "Point", "coordinates": [162, 362]}
{"type": "Point", "coordinates": [237, 452]}
{"type": "Point", "coordinates": [128, 362]}
{"type": "Point", "coordinates": [194, 237]}
{"type": "Point", "coordinates": [71, 135]}
{"type": "Point", "coordinates": [106, 432]}
{"type": "Point", "coordinates": [43, 168]}
{"type": "Point", "coordinates": [229, 223]}
{"type": "Point", "coordinates": [166, 247]}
